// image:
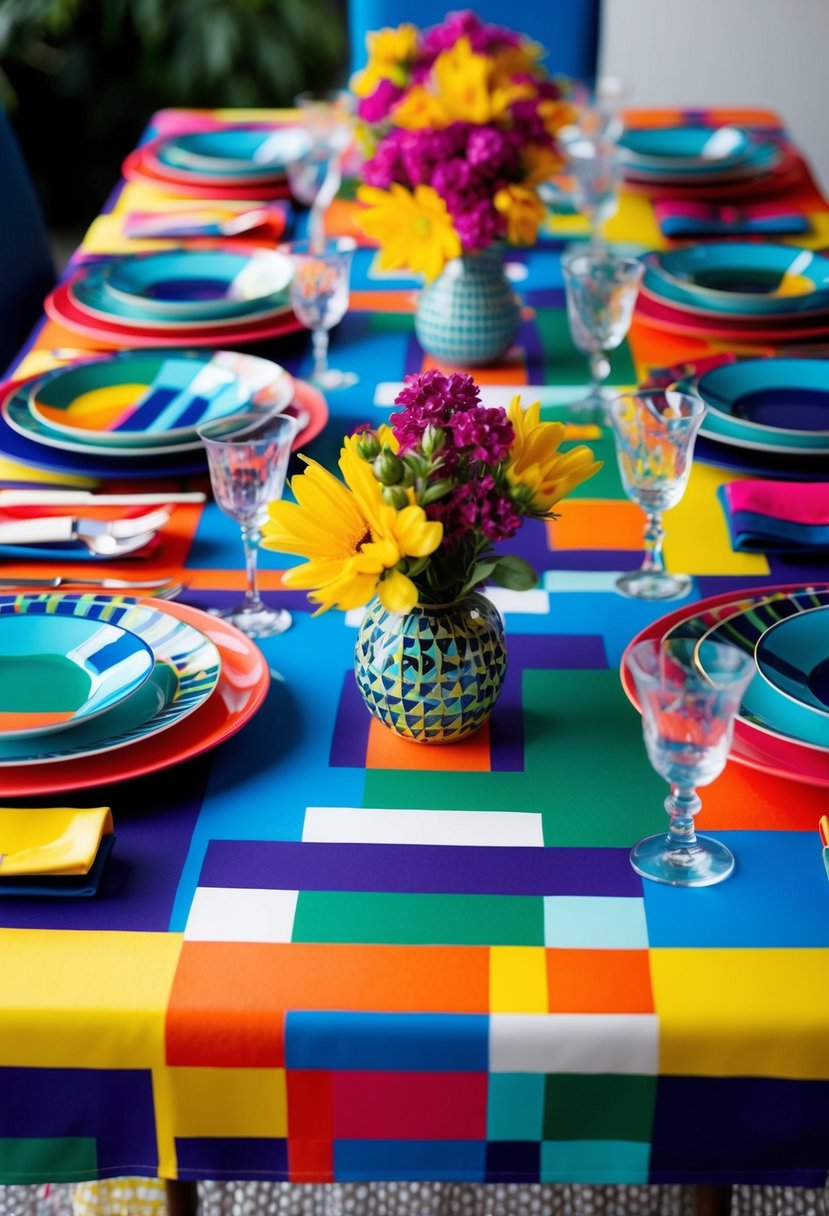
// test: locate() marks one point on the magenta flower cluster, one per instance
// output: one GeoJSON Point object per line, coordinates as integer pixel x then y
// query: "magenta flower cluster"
{"type": "Point", "coordinates": [476, 440]}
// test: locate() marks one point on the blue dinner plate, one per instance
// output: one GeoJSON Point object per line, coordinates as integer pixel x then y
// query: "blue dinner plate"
{"type": "Point", "coordinates": [765, 706]}
{"type": "Point", "coordinates": [193, 284]}
{"type": "Point", "coordinates": [741, 279]}
{"type": "Point", "coordinates": [683, 147]}
{"type": "Point", "coordinates": [757, 462]}
{"type": "Point", "coordinates": [793, 656]}
{"type": "Point", "coordinates": [28, 451]}
{"type": "Point", "coordinates": [234, 150]}
{"type": "Point", "coordinates": [137, 398]}
{"type": "Point", "coordinates": [184, 672]}
{"type": "Point", "coordinates": [779, 404]}
{"type": "Point", "coordinates": [56, 672]}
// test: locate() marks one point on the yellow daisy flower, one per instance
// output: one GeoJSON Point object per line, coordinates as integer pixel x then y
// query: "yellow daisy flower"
{"type": "Point", "coordinates": [390, 52]}
{"type": "Point", "coordinates": [524, 211]}
{"type": "Point", "coordinates": [538, 472]}
{"type": "Point", "coordinates": [414, 231]}
{"type": "Point", "coordinates": [351, 540]}
{"type": "Point", "coordinates": [420, 109]}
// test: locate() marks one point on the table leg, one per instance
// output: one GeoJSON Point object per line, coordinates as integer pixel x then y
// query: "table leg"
{"type": "Point", "coordinates": [712, 1200]}
{"type": "Point", "coordinates": [182, 1198]}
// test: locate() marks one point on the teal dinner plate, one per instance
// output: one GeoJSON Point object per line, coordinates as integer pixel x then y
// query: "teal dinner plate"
{"type": "Point", "coordinates": [778, 404]}
{"type": "Point", "coordinates": [196, 284]}
{"type": "Point", "coordinates": [793, 656]}
{"type": "Point", "coordinates": [765, 707]}
{"type": "Point", "coordinates": [184, 670]}
{"type": "Point", "coordinates": [57, 672]}
{"type": "Point", "coordinates": [742, 278]}
{"type": "Point", "coordinates": [135, 399]}
{"type": "Point", "coordinates": [681, 147]}
{"type": "Point", "coordinates": [90, 293]}
{"type": "Point", "coordinates": [235, 150]}
{"type": "Point", "coordinates": [760, 159]}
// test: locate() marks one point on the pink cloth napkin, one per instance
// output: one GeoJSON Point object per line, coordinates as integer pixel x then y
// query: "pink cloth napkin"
{"type": "Point", "coordinates": [798, 501]}
{"type": "Point", "coordinates": [677, 218]}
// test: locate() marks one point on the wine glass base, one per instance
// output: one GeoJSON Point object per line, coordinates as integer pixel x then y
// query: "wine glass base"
{"type": "Point", "coordinates": [653, 585]}
{"type": "Point", "coordinates": [595, 407]}
{"type": "Point", "coordinates": [333, 379]}
{"type": "Point", "coordinates": [702, 865]}
{"type": "Point", "coordinates": [256, 622]}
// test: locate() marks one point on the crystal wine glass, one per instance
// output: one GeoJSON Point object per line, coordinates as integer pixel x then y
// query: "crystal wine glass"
{"type": "Point", "coordinates": [247, 455]}
{"type": "Point", "coordinates": [689, 692]}
{"type": "Point", "coordinates": [600, 107]}
{"type": "Point", "coordinates": [315, 176]}
{"type": "Point", "coordinates": [655, 430]}
{"type": "Point", "coordinates": [601, 293]}
{"type": "Point", "coordinates": [594, 168]}
{"type": "Point", "coordinates": [319, 297]}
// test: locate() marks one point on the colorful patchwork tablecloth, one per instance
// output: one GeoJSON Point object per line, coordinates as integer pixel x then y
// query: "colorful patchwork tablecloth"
{"type": "Point", "coordinates": [323, 953]}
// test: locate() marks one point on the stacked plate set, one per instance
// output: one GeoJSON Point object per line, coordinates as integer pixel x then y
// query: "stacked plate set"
{"type": "Point", "coordinates": [179, 297]}
{"type": "Point", "coordinates": [133, 414]}
{"type": "Point", "coordinates": [783, 723]}
{"type": "Point", "coordinates": [98, 688]}
{"type": "Point", "coordinates": [704, 163]}
{"type": "Point", "coordinates": [245, 160]}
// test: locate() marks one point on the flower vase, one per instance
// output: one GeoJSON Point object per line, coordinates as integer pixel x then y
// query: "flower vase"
{"type": "Point", "coordinates": [469, 314]}
{"type": "Point", "coordinates": [434, 674]}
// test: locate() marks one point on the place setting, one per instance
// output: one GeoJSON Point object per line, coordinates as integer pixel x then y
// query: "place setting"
{"type": "Point", "coordinates": [701, 163]}
{"type": "Point", "coordinates": [134, 414]}
{"type": "Point", "coordinates": [238, 160]}
{"type": "Point", "coordinates": [179, 297]}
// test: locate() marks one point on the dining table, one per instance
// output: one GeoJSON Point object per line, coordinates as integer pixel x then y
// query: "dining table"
{"type": "Point", "coordinates": [321, 953]}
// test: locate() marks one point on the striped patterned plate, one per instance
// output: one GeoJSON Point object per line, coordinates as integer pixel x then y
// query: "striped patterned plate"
{"type": "Point", "coordinates": [186, 670]}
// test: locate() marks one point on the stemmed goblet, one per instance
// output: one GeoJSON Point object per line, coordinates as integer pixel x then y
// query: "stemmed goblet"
{"type": "Point", "coordinates": [601, 291]}
{"type": "Point", "coordinates": [319, 297]}
{"type": "Point", "coordinates": [315, 174]}
{"type": "Point", "coordinates": [594, 169]}
{"type": "Point", "coordinates": [247, 455]}
{"type": "Point", "coordinates": [689, 693]}
{"type": "Point", "coordinates": [655, 430]}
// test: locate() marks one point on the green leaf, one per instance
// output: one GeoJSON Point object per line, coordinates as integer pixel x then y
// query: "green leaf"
{"type": "Point", "coordinates": [514, 573]}
{"type": "Point", "coordinates": [479, 572]}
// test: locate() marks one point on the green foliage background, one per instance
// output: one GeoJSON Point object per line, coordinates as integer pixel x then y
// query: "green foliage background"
{"type": "Point", "coordinates": [80, 78]}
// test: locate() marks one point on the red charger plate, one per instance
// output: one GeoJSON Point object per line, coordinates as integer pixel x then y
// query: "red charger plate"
{"type": "Point", "coordinates": [754, 748]}
{"type": "Point", "coordinates": [242, 686]}
{"type": "Point", "coordinates": [788, 171]}
{"type": "Point", "coordinates": [655, 313]}
{"type": "Point", "coordinates": [140, 166]}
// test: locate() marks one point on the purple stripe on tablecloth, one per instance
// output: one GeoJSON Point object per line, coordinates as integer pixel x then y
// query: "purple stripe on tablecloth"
{"type": "Point", "coordinates": [598, 560]}
{"type": "Point", "coordinates": [530, 339]}
{"type": "Point", "coordinates": [112, 1105]}
{"type": "Point", "coordinates": [237, 1157]}
{"type": "Point", "coordinates": [799, 568]}
{"type": "Point", "coordinates": [294, 601]}
{"type": "Point", "coordinates": [140, 881]}
{"type": "Point", "coordinates": [413, 363]}
{"type": "Point", "coordinates": [544, 297]}
{"type": "Point", "coordinates": [350, 740]}
{"type": "Point", "coordinates": [418, 869]}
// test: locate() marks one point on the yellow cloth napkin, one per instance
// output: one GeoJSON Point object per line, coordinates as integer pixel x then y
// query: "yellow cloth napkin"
{"type": "Point", "coordinates": [51, 840]}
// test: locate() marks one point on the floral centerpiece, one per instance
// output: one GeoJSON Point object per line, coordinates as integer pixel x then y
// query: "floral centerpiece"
{"type": "Point", "coordinates": [460, 122]}
{"type": "Point", "coordinates": [412, 527]}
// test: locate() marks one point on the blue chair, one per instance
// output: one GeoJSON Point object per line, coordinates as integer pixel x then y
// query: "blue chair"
{"type": "Point", "coordinates": [26, 269]}
{"type": "Point", "coordinates": [569, 29]}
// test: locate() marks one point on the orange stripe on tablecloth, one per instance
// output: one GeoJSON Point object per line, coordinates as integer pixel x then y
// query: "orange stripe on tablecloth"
{"type": "Point", "coordinates": [512, 373]}
{"type": "Point", "coordinates": [675, 116]}
{"type": "Point", "coordinates": [599, 981]}
{"type": "Point", "coordinates": [342, 219]}
{"type": "Point", "coordinates": [229, 999]}
{"type": "Point", "coordinates": [402, 301]}
{"type": "Point", "coordinates": [387, 751]}
{"type": "Point", "coordinates": [742, 799]}
{"type": "Point", "coordinates": [592, 523]}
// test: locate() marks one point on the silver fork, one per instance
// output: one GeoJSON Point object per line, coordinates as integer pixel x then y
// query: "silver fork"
{"type": "Point", "coordinates": [163, 588]}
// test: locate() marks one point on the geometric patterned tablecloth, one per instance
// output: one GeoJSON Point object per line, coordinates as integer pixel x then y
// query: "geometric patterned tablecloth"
{"type": "Point", "coordinates": [323, 953]}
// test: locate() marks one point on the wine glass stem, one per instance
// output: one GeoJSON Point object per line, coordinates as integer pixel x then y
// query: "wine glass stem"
{"type": "Point", "coordinates": [682, 805]}
{"type": "Point", "coordinates": [654, 536]}
{"type": "Point", "coordinates": [599, 370]}
{"type": "Point", "coordinates": [250, 540]}
{"type": "Point", "coordinates": [319, 340]}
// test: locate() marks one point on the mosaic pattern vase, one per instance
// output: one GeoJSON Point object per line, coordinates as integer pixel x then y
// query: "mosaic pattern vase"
{"type": "Point", "coordinates": [433, 675]}
{"type": "Point", "coordinates": [469, 315]}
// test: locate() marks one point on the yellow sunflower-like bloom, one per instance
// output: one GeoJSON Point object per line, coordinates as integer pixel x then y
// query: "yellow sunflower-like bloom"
{"type": "Point", "coordinates": [556, 114]}
{"type": "Point", "coordinates": [414, 231]}
{"type": "Point", "coordinates": [539, 473]}
{"type": "Point", "coordinates": [420, 109]}
{"type": "Point", "coordinates": [467, 90]}
{"type": "Point", "coordinates": [351, 540]}
{"type": "Point", "coordinates": [524, 211]}
{"type": "Point", "coordinates": [389, 53]}
{"type": "Point", "coordinates": [539, 163]}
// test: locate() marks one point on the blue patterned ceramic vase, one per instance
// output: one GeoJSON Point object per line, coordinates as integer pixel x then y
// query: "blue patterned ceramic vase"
{"type": "Point", "coordinates": [433, 675]}
{"type": "Point", "coordinates": [469, 314]}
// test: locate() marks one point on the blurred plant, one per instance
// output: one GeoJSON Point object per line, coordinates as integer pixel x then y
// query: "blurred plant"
{"type": "Point", "coordinates": [86, 74]}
